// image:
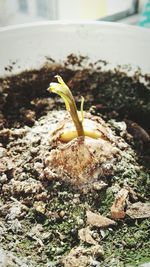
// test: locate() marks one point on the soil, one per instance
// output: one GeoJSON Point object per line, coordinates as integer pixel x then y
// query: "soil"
{"type": "Point", "coordinates": [41, 220]}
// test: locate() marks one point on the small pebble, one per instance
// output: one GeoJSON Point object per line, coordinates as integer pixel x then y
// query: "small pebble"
{"type": "Point", "coordinates": [3, 178]}
{"type": "Point", "coordinates": [3, 152]}
{"type": "Point", "coordinates": [62, 213]}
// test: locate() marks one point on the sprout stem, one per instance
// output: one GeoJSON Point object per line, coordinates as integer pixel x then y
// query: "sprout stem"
{"type": "Point", "coordinates": [63, 90]}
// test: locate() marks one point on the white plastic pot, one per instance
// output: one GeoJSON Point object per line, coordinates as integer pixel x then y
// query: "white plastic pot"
{"type": "Point", "coordinates": [116, 43]}
{"type": "Point", "coordinates": [27, 45]}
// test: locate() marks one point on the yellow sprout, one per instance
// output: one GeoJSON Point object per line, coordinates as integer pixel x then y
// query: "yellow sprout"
{"type": "Point", "coordinates": [62, 89]}
{"type": "Point", "coordinates": [83, 128]}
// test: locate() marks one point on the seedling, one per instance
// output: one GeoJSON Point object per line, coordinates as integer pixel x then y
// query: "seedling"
{"type": "Point", "coordinates": [82, 127]}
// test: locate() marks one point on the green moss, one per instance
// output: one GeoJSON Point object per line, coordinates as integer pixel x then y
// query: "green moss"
{"type": "Point", "coordinates": [105, 201]}
{"type": "Point", "coordinates": [128, 243]}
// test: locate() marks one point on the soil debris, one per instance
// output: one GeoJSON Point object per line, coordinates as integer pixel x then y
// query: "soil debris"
{"type": "Point", "coordinates": [29, 116]}
{"type": "Point", "coordinates": [137, 131]}
{"type": "Point", "coordinates": [98, 220]}
{"type": "Point", "coordinates": [9, 259]}
{"type": "Point", "coordinates": [6, 164]}
{"type": "Point", "coordinates": [117, 209]}
{"type": "Point", "coordinates": [27, 187]}
{"type": "Point", "coordinates": [85, 235]}
{"type": "Point", "coordinates": [82, 257]}
{"type": "Point", "coordinates": [40, 206]}
{"type": "Point", "coordinates": [98, 186]}
{"type": "Point", "coordinates": [139, 210]}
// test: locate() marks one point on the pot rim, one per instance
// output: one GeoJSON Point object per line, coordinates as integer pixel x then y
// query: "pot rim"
{"type": "Point", "coordinates": [79, 23]}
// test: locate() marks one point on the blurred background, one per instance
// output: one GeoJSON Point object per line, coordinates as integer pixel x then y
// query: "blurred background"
{"type": "Point", "coordinates": [136, 12]}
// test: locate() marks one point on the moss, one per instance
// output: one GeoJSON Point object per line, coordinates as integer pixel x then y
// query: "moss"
{"type": "Point", "coordinates": [105, 201]}
{"type": "Point", "coordinates": [129, 243]}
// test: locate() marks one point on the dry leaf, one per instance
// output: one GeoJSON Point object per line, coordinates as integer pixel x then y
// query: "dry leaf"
{"type": "Point", "coordinates": [139, 210]}
{"type": "Point", "coordinates": [117, 209]}
{"type": "Point", "coordinates": [137, 131]}
{"type": "Point", "coordinates": [98, 220]}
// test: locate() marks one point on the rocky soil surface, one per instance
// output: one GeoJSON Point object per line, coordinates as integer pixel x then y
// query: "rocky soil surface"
{"type": "Point", "coordinates": [45, 219]}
